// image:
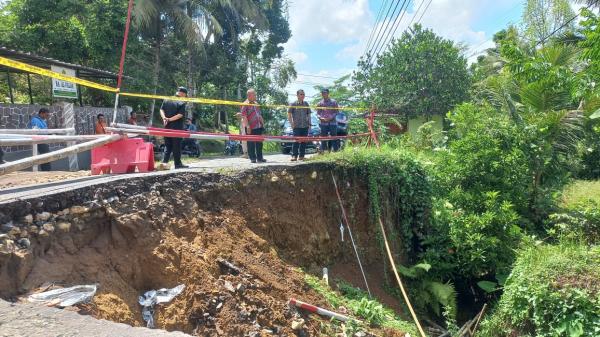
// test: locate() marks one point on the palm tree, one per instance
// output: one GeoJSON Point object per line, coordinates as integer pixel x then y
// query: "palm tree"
{"type": "Point", "coordinates": [195, 22]}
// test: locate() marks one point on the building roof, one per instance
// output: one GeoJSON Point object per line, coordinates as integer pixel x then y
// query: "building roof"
{"type": "Point", "coordinates": [45, 62]}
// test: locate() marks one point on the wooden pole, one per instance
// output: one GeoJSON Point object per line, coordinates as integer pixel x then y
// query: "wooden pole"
{"type": "Point", "coordinates": [38, 131]}
{"type": "Point", "coordinates": [10, 91]}
{"type": "Point", "coordinates": [56, 155]}
{"type": "Point", "coordinates": [29, 88]}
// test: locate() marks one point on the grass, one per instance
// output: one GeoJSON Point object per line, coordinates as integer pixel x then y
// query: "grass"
{"type": "Point", "coordinates": [553, 290]}
{"type": "Point", "coordinates": [359, 305]}
{"type": "Point", "coordinates": [581, 191]}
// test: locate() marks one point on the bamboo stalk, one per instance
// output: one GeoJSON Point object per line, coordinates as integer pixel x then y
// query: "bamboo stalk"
{"type": "Point", "coordinates": [28, 140]}
{"type": "Point", "coordinates": [38, 131]}
{"type": "Point", "coordinates": [56, 155]}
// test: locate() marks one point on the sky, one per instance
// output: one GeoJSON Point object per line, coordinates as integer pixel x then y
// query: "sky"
{"type": "Point", "coordinates": [329, 36]}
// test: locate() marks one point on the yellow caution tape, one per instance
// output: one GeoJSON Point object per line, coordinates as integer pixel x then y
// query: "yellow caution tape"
{"type": "Point", "coordinates": [48, 73]}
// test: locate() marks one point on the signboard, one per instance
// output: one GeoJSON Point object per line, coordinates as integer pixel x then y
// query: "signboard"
{"type": "Point", "coordinates": [63, 89]}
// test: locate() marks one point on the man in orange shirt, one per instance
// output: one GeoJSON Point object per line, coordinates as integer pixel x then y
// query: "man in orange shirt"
{"type": "Point", "coordinates": [100, 125]}
{"type": "Point", "coordinates": [132, 118]}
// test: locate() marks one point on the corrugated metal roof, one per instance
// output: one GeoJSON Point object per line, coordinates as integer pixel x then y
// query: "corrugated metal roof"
{"type": "Point", "coordinates": [46, 62]}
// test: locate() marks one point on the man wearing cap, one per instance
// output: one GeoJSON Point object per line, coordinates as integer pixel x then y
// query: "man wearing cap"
{"type": "Point", "coordinates": [253, 122]}
{"type": "Point", "coordinates": [39, 122]}
{"type": "Point", "coordinates": [328, 109]}
{"type": "Point", "coordinates": [299, 117]}
{"type": "Point", "coordinates": [172, 113]}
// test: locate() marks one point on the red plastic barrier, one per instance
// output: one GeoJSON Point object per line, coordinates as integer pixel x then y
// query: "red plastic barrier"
{"type": "Point", "coordinates": [123, 156]}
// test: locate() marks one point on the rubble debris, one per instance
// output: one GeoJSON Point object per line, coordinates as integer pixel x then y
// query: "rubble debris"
{"type": "Point", "coordinates": [65, 297]}
{"type": "Point", "coordinates": [297, 324]}
{"type": "Point", "coordinates": [153, 297]}
{"type": "Point", "coordinates": [228, 267]}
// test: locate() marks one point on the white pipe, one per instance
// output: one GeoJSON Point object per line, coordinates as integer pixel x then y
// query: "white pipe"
{"type": "Point", "coordinates": [38, 131]}
{"type": "Point", "coordinates": [45, 140]}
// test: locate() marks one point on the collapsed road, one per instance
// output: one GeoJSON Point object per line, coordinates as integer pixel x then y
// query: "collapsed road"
{"type": "Point", "coordinates": [130, 234]}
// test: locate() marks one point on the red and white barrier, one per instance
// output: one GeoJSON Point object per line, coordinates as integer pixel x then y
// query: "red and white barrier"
{"type": "Point", "coordinates": [317, 310]}
{"type": "Point", "coordinates": [152, 131]}
{"type": "Point", "coordinates": [16, 140]}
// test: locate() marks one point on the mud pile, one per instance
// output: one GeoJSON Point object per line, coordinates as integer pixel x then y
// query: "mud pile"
{"type": "Point", "coordinates": [158, 232]}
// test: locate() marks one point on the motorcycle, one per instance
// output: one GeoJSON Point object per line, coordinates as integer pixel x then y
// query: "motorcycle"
{"type": "Point", "coordinates": [231, 147]}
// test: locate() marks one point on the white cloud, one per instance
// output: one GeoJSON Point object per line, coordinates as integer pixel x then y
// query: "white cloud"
{"type": "Point", "coordinates": [337, 21]}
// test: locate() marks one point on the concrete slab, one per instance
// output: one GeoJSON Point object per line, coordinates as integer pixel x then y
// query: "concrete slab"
{"type": "Point", "coordinates": [27, 319]}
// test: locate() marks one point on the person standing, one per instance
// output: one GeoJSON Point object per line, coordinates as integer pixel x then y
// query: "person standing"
{"type": "Point", "coordinates": [253, 122]}
{"type": "Point", "coordinates": [100, 124]}
{"type": "Point", "coordinates": [328, 124]}
{"type": "Point", "coordinates": [39, 122]}
{"type": "Point", "coordinates": [172, 112]}
{"type": "Point", "coordinates": [132, 118]}
{"type": "Point", "coordinates": [299, 117]}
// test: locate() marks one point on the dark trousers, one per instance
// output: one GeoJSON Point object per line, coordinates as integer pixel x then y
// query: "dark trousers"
{"type": "Point", "coordinates": [44, 148]}
{"type": "Point", "coordinates": [255, 148]}
{"type": "Point", "coordinates": [299, 132]}
{"type": "Point", "coordinates": [172, 145]}
{"type": "Point", "coordinates": [329, 130]}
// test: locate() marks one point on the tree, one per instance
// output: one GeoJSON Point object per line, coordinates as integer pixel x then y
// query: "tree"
{"type": "Point", "coordinates": [421, 74]}
{"type": "Point", "coordinates": [542, 18]}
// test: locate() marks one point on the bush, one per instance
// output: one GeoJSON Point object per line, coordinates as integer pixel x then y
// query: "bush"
{"type": "Point", "coordinates": [581, 221]}
{"type": "Point", "coordinates": [553, 290]}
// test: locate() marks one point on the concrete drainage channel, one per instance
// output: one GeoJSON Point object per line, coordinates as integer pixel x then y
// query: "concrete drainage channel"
{"type": "Point", "coordinates": [234, 241]}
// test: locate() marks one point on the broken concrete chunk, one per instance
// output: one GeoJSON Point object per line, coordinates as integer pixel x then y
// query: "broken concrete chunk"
{"type": "Point", "coordinates": [44, 216]}
{"type": "Point", "coordinates": [79, 210]}
{"type": "Point", "coordinates": [28, 219]}
{"type": "Point", "coordinates": [229, 286]}
{"type": "Point", "coordinates": [64, 226]}
{"type": "Point", "coordinates": [24, 243]}
{"type": "Point", "coordinates": [228, 267]}
{"type": "Point", "coordinates": [297, 324]}
{"type": "Point", "coordinates": [48, 227]}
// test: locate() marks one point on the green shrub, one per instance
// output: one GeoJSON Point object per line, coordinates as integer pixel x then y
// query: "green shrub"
{"type": "Point", "coordinates": [553, 290]}
{"type": "Point", "coordinates": [581, 221]}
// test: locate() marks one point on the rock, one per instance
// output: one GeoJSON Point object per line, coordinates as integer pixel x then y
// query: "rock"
{"type": "Point", "coordinates": [228, 267]}
{"type": "Point", "coordinates": [274, 179]}
{"type": "Point", "coordinates": [34, 229]}
{"type": "Point", "coordinates": [4, 237]}
{"type": "Point", "coordinates": [7, 227]}
{"type": "Point", "coordinates": [360, 334]}
{"type": "Point", "coordinates": [266, 332]}
{"type": "Point", "coordinates": [48, 227]}
{"type": "Point", "coordinates": [64, 226]}
{"type": "Point", "coordinates": [28, 219]}
{"type": "Point", "coordinates": [66, 211]}
{"type": "Point", "coordinates": [7, 248]}
{"type": "Point", "coordinates": [78, 210]}
{"type": "Point", "coordinates": [43, 233]}
{"type": "Point", "coordinates": [15, 231]}
{"type": "Point", "coordinates": [24, 243]}
{"type": "Point", "coordinates": [314, 175]}
{"type": "Point", "coordinates": [297, 324]}
{"type": "Point", "coordinates": [229, 286]}
{"type": "Point", "coordinates": [44, 216]}
{"type": "Point", "coordinates": [240, 288]}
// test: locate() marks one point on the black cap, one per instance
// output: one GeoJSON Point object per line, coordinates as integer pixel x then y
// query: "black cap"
{"type": "Point", "coordinates": [182, 89]}
{"type": "Point", "coordinates": [324, 90]}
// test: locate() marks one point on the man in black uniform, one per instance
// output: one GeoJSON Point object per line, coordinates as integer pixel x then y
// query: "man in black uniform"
{"type": "Point", "coordinates": [172, 113]}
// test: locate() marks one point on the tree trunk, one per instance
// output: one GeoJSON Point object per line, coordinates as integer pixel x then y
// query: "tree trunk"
{"type": "Point", "coordinates": [156, 66]}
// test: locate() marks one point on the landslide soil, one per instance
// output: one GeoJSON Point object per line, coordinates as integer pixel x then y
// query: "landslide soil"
{"type": "Point", "coordinates": [267, 224]}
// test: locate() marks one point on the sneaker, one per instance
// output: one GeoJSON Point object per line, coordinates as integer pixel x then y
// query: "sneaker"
{"type": "Point", "coordinates": [253, 161]}
{"type": "Point", "coordinates": [301, 159]}
{"type": "Point", "coordinates": [293, 159]}
{"type": "Point", "coordinates": [262, 160]}
{"type": "Point", "coordinates": [181, 166]}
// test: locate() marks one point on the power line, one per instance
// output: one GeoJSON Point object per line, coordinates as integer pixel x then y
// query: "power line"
{"type": "Point", "coordinates": [425, 10]}
{"type": "Point", "coordinates": [387, 31]}
{"type": "Point", "coordinates": [394, 26]}
{"type": "Point", "coordinates": [375, 26]}
{"type": "Point", "coordinates": [417, 11]}
{"type": "Point", "coordinates": [381, 27]}
{"type": "Point", "coordinates": [564, 25]}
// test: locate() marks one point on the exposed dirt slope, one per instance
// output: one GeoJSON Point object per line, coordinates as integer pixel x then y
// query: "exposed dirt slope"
{"type": "Point", "coordinates": [267, 223]}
